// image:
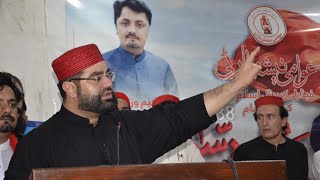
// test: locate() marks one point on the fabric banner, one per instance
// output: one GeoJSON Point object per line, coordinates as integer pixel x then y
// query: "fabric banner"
{"type": "Point", "coordinates": [205, 43]}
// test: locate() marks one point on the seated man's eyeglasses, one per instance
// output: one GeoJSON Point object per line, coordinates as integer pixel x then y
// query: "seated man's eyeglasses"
{"type": "Point", "coordinates": [98, 78]}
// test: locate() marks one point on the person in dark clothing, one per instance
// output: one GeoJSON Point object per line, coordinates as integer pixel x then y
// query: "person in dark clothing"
{"type": "Point", "coordinates": [315, 134]}
{"type": "Point", "coordinates": [315, 144]}
{"type": "Point", "coordinates": [272, 144]}
{"type": "Point", "coordinates": [89, 131]}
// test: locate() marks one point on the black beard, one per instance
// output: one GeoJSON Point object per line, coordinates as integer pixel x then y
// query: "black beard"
{"type": "Point", "coordinates": [6, 127]}
{"type": "Point", "coordinates": [95, 104]}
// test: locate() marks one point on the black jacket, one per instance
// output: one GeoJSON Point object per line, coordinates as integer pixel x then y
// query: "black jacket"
{"type": "Point", "coordinates": [126, 137]}
{"type": "Point", "coordinates": [295, 154]}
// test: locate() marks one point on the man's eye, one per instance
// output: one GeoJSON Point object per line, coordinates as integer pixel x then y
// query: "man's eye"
{"type": "Point", "coordinates": [270, 116]}
{"type": "Point", "coordinates": [140, 25]}
{"type": "Point", "coordinates": [13, 105]}
{"type": "Point", "coordinates": [98, 78]}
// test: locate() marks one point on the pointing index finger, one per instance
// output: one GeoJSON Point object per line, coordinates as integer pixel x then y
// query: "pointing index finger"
{"type": "Point", "coordinates": [253, 54]}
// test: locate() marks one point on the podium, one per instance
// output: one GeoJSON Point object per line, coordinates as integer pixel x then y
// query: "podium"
{"type": "Point", "coordinates": [247, 170]}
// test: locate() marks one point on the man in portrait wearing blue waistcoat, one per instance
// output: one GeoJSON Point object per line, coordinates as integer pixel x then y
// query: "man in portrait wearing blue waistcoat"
{"type": "Point", "coordinates": [140, 74]}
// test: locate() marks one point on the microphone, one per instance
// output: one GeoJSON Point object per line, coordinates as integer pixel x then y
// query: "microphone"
{"type": "Point", "coordinates": [118, 142]}
{"type": "Point", "coordinates": [233, 167]}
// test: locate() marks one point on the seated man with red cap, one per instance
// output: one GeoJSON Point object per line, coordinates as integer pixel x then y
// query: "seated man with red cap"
{"type": "Point", "coordinates": [123, 101]}
{"type": "Point", "coordinates": [187, 152]}
{"type": "Point", "coordinates": [89, 131]}
{"type": "Point", "coordinates": [272, 144]}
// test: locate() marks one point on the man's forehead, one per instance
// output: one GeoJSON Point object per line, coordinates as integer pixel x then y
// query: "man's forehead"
{"type": "Point", "coordinates": [129, 14]}
{"type": "Point", "coordinates": [7, 93]}
{"type": "Point", "coordinates": [268, 109]}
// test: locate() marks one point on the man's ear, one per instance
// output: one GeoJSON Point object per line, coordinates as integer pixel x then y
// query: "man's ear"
{"type": "Point", "coordinates": [70, 88]}
{"type": "Point", "coordinates": [284, 121]}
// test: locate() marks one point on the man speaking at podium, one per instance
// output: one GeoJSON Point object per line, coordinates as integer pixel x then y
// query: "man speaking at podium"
{"type": "Point", "coordinates": [89, 131]}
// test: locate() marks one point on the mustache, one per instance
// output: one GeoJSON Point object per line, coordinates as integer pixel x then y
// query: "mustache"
{"type": "Point", "coordinates": [6, 117]}
{"type": "Point", "coordinates": [110, 89]}
{"type": "Point", "coordinates": [130, 35]}
{"type": "Point", "coordinates": [106, 90]}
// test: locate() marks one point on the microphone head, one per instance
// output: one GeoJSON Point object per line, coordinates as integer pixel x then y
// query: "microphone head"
{"type": "Point", "coordinates": [274, 148]}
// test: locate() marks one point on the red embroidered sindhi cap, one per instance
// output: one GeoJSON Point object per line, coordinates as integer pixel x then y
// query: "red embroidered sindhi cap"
{"type": "Point", "coordinates": [265, 100]}
{"type": "Point", "coordinates": [123, 96]}
{"type": "Point", "coordinates": [163, 98]}
{"type": "Point", "coordinates": [75, 60]}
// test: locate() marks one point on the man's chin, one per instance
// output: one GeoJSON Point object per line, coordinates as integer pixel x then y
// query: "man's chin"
{"type": "Point", "coordinates": [133, 45]}
{"type": "Point", "coordinates": [268, 136]}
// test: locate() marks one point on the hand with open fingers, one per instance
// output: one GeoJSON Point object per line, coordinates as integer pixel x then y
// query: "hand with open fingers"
{"type": "Point", "coordinates": [248, 71]}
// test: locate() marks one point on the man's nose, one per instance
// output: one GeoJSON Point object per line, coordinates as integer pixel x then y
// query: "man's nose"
{"type": "Point", "coordinates": [106, 81]}
{"type": "Point", "coordinates": [132, 29]}
{"type": "Point", "coordinates": [264, 121]}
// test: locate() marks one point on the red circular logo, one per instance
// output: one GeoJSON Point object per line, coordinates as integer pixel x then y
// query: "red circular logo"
{"type": "Point", "coordinates": [266, 25]}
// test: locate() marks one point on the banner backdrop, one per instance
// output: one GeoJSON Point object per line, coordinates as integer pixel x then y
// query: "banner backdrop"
{"type": "Point", "coordinates": [205, 42]}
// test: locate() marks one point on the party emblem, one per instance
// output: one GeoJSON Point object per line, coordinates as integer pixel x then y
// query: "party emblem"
{"type": "Point", "coordinates": [266, 25]}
